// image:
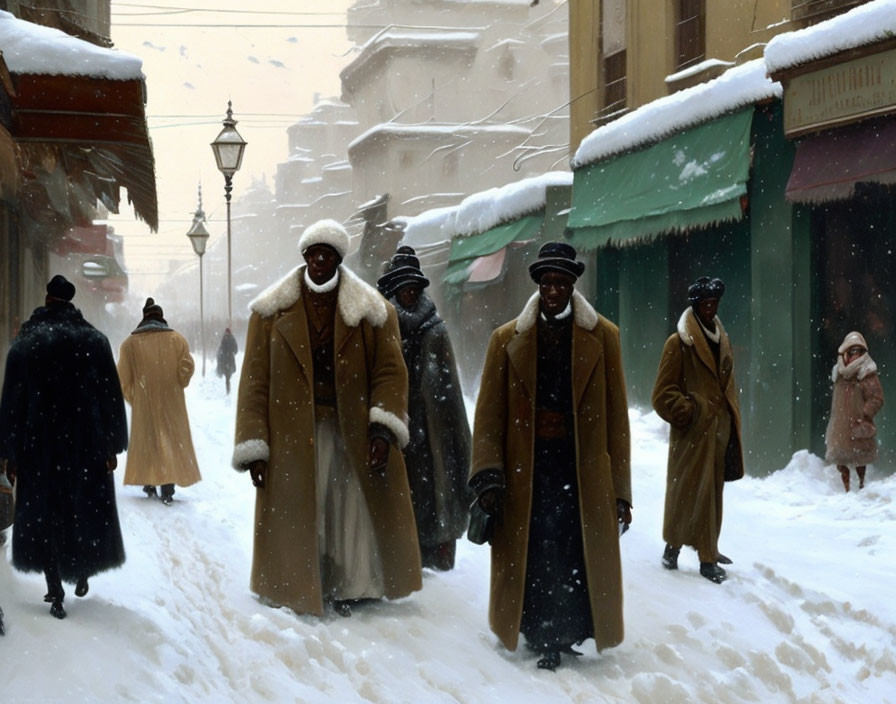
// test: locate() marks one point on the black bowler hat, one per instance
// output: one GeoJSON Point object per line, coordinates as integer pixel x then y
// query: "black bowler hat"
{"type": "Point", "coordinates": [556, 256]}
{"type": "Point", "coordinates": [61, 288]}
{"type": "Point", "coordinates": [704, 288]}
{"type": "Point", "coordinates": [403, 269]}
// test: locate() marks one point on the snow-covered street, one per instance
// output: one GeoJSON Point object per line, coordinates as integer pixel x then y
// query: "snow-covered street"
{"type": "Point", "coordinates": [807, 614]}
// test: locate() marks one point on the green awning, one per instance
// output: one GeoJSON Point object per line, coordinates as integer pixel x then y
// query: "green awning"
{"type": "Point", "coordinates": [464, 250]}
{"type": "Point", "coordinates": [689, 180]}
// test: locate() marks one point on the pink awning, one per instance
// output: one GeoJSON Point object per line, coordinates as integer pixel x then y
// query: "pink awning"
{"type": "Point", "coordinates": [488, 267]}
{"type": "Point", "coordinates": [827, 166]}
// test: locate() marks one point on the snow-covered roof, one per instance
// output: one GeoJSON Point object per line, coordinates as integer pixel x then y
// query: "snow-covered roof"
{"type": "Point", "coordinates": [482, 211]}
{"type": "Point", "coordinates": [737, 87]}
{"type": "Point", "coordinates": [393, 38]}
{"type": "Point", "coordinates": [397, 129]}
{"type": "Point", "coordinates": [32, 48]}
{"type": "Point", "coordinates": [865, 24]}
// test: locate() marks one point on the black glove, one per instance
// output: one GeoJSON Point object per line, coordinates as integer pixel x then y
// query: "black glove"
{"type": "Point", "coordinates": [489, 501]}
{"type": "Point", "coordinates": [623, 515]}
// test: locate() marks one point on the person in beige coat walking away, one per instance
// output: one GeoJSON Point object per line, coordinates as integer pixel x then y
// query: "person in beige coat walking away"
{"type": "Point", "coordinates": [321, 421]}
{"type": "Point", "coordinates": [851, 437]}
{"type": "Point", "coordinates": [696, 394]}
{"type": "Point", "coordinates": [155, 367]}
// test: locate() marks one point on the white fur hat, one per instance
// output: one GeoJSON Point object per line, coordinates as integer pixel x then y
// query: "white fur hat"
{"type": "Point", "coordinates": [327, 232]}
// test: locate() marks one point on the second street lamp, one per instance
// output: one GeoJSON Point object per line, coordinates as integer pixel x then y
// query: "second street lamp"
{"type": "Point", "coordinates": [228, 148]}
{"type": "Point", "coordinates": [198, 235]}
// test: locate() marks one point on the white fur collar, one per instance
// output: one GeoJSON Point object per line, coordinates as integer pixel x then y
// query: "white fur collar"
{"type": "Point", "coordinates": [585, 316]}
{"type": "Point", "coordinates": [683, 333]}
{"type": "Point", "coordinates": [860, 368]}
{"type": "Point", "coordinates": [356, 300]}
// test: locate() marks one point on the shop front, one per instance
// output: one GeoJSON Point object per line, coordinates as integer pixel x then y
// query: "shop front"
{"type": "Point", "coordinates": [840, 112]}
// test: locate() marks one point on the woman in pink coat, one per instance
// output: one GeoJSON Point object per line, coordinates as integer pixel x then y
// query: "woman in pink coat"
{"type": "Point", "coordinates": [858, 396]}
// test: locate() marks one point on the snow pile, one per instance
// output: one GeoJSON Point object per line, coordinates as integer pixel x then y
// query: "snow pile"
{"type": "Point", "coordinates": [807, 614]}
{"type": "Point", "coordinates": [872, 22]}
{"type": "Point", "coordinates": [736, 88]}
{"type": "Point", "coordinates": [32, 48]}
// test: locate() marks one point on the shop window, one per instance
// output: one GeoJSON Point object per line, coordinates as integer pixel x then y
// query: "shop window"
{"type": "Point", "coordinates": [690, 33]}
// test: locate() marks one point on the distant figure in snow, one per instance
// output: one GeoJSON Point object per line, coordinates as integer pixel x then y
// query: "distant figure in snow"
{"type": "Point", "coordinates": [438, 454]}
{"type": "Point", "coordinates": [155, 366]}
{"type": "Point", "coordinates": [551, 462]}
{"type": "Point", "coordinates": [321, 418]}
{"type": "Point", "coordinates": [695, 393]}
{"type": "Point", "coordinates": [62, 423]}
{"type": "Point", "coordinates": [227, 357]}
{"type": "Point", "coordinates": [851, 437]}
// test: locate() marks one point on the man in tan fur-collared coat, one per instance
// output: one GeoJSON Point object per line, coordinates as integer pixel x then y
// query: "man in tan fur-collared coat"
{"type": "Point", "coordinates": [321, 418]}
{"type": "Point", "coordinates": [696, 394]}
{"type": "Point", "coordinates": [551, 460]}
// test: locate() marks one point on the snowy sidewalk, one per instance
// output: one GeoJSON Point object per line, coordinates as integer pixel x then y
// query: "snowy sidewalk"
{"type": "Point", "coordinates": [807, 614]}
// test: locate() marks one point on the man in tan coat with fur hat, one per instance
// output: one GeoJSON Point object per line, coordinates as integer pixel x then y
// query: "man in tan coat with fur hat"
{"type": "Point", "coordinates": [551, 461]}
{"type": "Point", "coordinates": [696, 394]}
{"type": "Point", "coordinates": [321, 419]}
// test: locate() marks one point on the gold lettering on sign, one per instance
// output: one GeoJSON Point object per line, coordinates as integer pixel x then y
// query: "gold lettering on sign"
{"type": "Point", "coordinates": [841, 93]}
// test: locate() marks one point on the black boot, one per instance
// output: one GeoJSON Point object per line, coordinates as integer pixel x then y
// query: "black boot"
{"type": "Point", "coordinates": [167, 494]}
{"type": "Point", "coordinates": [343, 607]}
{"type": "Point", "coordinates": [150, 491]}
{"type": "Point", "coordinates": [549, 661]}
{"type": "Point", "coordinates": [713, 572]}
{"type": "Point", "coordinates": [670, 557]}
{"type": "Point", "coordinates": [723, 559]}
{"type": "Point", "coordinates": [57, 609]}
{"type": "Point", "coordinates": [82, 587]}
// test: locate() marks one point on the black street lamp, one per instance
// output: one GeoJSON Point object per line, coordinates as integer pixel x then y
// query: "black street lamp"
{"type": "Point", "coordinates": [228, 148]}
{"type": "Point", "coordinates": [199, 238]}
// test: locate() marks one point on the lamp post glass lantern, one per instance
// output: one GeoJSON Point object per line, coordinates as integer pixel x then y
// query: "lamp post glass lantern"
{"type": "Point", "coordinates": [198, 235]}
{"type": "Point", "coordinates": [229, 147]}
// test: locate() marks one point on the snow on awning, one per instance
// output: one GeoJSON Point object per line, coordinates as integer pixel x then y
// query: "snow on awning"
{"type": "Point", "coordinates": [73, 96]}
{"type": "Point", "coordinates": [35, 49]}
{"type": "Point", "coordinates": [691, 179]}
{"type": "Point", "coordinates": [738, 87]}
{"type": "Point", "coordinates": [828, 166]}
{"type": "Point", "coordinates": [863, 25]}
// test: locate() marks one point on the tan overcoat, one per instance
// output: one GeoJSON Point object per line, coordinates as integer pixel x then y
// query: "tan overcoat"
{"type": "Point", "coordinates": [688, 377]}
{"type": "Point", "coordinates": [155, 367]}
{"type": "Point", "coordinates": [504, 440]}
{"type": "Point", "coordinates": [275, 422]}
{"type": "Point", "coordinates": [851, 436]}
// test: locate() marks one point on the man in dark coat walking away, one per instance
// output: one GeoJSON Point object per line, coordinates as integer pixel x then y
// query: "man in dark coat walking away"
{"type": "Point", "coordinates": [438, 453]}
{"type": "Point", "coordinates": [227, 357]}
{"type": "Point", "coordinates": [551, 462]}
{"type": "Point", "coordinates": [62, 423]}
{"type": "Point", "coordinates": [695, 393]}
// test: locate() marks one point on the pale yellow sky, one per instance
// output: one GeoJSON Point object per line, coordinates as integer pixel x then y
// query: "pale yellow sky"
{"type": "Point", "coordinates": [271, 74]}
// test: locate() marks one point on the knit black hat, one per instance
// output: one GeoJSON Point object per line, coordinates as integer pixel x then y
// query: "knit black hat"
{"type": "Point", "coordinates": [403, 269]}
{"type": "Point", "coordinates": [704, 288]}
{"type": "Point", "coordinates": [152, 309]}
{"type": "Point", "coordinates": [556, 256]}
{"type": "Point", "coordinates": [61, 288]}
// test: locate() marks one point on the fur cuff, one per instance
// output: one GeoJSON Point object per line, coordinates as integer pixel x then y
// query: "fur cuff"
{"type": "Point", "coordinates": [249, 451]}
{"type": "Point", "coordinates": [398, 427]}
